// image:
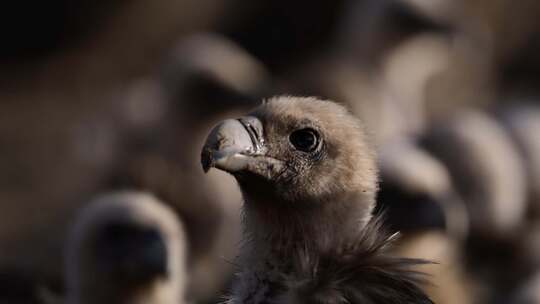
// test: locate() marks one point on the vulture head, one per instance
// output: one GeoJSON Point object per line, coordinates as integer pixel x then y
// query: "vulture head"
{"type": "Point", "coordinates": [300, 155]}
{"type": "Point", "coordinates": [309, 179]}
{"type": "Point", "coordinates": [125, 248]}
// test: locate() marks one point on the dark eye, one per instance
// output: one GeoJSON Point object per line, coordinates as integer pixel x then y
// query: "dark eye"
{"type": "Point", "coordinates": [305, 140]}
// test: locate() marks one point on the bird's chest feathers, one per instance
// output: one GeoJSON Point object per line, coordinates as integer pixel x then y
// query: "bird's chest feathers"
{"type": "Point", "coordinates": [261, 284]}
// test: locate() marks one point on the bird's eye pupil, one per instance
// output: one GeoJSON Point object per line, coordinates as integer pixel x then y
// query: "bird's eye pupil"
{"type": "Point", "coordinates": [305, 140]}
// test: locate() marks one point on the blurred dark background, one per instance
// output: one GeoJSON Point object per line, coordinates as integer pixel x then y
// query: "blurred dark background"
{"type": "Point", "coordinates": [104, 95]}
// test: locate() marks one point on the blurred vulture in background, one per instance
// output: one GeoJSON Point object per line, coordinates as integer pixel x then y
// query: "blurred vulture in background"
{"type": "Point", "coordinates": [489, 175]}
{"type": "Point", "coordinates": [486, 169]}
{"type": "Point", "coordinates": [522, 120]}
{"type": "Point", "coordinates": [417, 192]}
{"type": "Point", "coordinates": [485, 45]}
{"type": "Point", "coordinates": [197, 86]}
{"type": "Point", "coordinates": [417, 198]}
{"type": "Point", "coordinates": [64, 130]}
{"type": "Point", "coordinates": [523, 123]}
{"type": "Point", "coordinates": [126, 247]}
{"type": "Point", "coordinates": [384, 57]}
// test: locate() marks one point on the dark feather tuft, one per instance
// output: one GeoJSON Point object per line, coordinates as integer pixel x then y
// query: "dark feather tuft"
{"type": "Point", "coordinates": [361, 272]}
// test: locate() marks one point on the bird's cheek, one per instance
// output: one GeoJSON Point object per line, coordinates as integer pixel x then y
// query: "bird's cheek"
{"type": "Point", "coordinates": [267, 167]}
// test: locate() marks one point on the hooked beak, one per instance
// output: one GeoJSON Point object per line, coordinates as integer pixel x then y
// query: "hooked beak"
{"type": "Point", "coordinates": [232, 143]}
{"type": "Point", "coordinates": [237, 145]}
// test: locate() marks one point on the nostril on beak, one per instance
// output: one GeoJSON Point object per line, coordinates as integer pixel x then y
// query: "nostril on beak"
{"type": "Point", "coordinates": [254, 128]}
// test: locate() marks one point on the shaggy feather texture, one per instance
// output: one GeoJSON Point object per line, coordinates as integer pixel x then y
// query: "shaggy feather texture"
{"type": "Point", "coordinates": [363, 271]}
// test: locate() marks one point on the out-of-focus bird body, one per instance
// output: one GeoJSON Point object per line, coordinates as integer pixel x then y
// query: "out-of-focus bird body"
{"type": "Point", "coordinates": [486, 170]}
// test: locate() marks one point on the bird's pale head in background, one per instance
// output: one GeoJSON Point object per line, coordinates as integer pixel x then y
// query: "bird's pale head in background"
{"type": "Point", "coordinates": [126, 247]}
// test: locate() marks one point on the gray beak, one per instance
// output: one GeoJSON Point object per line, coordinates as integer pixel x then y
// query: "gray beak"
{"type": "Point", "coordinates": [233, 144]}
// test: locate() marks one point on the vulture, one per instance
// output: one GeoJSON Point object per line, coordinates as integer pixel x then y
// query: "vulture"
{"type": "Point", "coordinates": [486, 169]}
{"type": "Point", "coordinates": [308, 176]}
{"type": "Point", "coordinates": [416, 191]}
{"type": "Point", "coordinates": [418, 200]}
{"type": "Point", "coordinates": [126, 247]}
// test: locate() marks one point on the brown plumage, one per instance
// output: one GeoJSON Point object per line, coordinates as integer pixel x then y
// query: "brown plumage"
{"type": "Point", "coordinates": [309, 179]}
{"type": "Point", "coordinates": [363, 272]}
{"type": "Point", "coordinates": [126, 247]}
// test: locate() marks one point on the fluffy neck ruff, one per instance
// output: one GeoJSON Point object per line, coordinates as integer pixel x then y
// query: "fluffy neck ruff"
{"type": "Point", "coordinates": [322, 254]}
